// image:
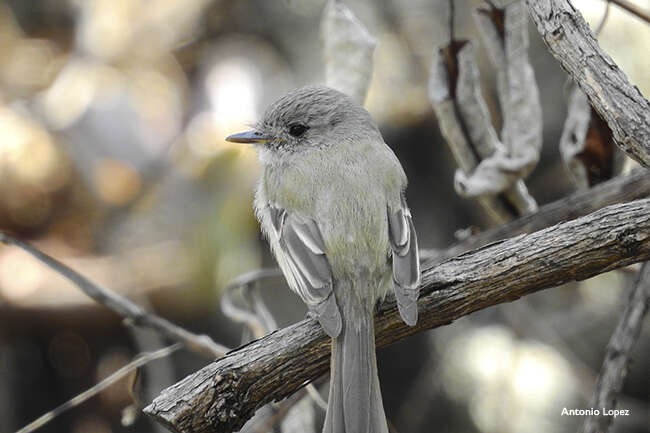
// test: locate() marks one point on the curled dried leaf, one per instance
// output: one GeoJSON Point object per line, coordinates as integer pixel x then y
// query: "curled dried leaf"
{"type": "Point", "coordinates": [454, 91]}
{"type": "Point", "coordinates": [348, 49]}
{"type": "Point", "coordinates": [587, 146]}
{"type": "Point", "coordinates": [505, 34]}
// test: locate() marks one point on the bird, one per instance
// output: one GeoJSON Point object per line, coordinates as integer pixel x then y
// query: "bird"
{"type": "Point", "coordinates": [331, 202]}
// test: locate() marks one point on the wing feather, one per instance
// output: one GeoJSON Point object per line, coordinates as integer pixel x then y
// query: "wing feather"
{"type": "Point", "coordinates": [310, 235]}
{"type": "Point", "coordinates": [301, 254]}
{"type": "Point", "coordinates": [313, 266]}
{"type": "Point", "coordinates": [406, 262]}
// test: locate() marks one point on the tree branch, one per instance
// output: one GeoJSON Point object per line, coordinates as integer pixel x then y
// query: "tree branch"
{"type": "Point", "coordinates": [611, 94]}
{"type": "Point", "coordinates": [124, 307]}
{"type": "Point", "coordinates": [223, 395]}
{"type": "Point", "coordinates": [631, 8]}
{"type": "Point", "coordinates": [618, 190]}
{"type": "Point", "coordinates": [139, 361]}
{"type": "Point", "coordinates": [619, 350]}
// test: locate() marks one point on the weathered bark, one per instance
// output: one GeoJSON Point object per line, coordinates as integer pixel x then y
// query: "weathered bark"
{"type": "Point", "coordinates": [618, 102]}
{"type": "Point", "coordinates": [224, 394]}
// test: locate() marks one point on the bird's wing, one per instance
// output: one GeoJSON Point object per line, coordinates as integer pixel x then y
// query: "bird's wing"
{"type": "Point", "coordinates": [406, 262]}
{"type": "Point", "coordinates": [301, 253]}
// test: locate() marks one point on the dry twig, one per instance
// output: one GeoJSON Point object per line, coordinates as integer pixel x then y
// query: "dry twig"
{"type": "Point", "coordinates": [260, 322]}
{"type": "Point", "coordinates": [614, 369]}
{"type": "Point", "coordinates": [631, 8]}
{"type": "Point", "coordinates": [202, 344]}
{"type": "Point", "coordinates": [256, 317]}
{"type": "Point", "coordinates": [137, 362]}
{"type": "Point", "coordinates": [618, 190]}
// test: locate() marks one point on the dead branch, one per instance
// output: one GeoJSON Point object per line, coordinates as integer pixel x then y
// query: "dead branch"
{"type": "Point", "coordinates": [139, 361]}
{"type": "Point", "coordinates": [223, 395]}
{"type": "Point", "coordinates": [256, 317]}
{"type": "Point", "coordinates": [618, 190]}
{"type": "Point", "coordinates": [631, 8]}
{"type": "Point", "coordinates": [614, 369]}
{"type": "Point", "coordinates": [124, 307]}
{"type": "Point", "coordinates": [618, 102]}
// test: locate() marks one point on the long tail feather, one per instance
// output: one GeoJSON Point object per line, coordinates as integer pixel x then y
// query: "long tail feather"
{"type": "Point", "coordinates": [355, 404]}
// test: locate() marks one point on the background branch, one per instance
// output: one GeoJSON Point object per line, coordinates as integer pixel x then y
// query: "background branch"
{"type": "Point", "coordinates": [619, 351]}
{"type": "Point", "coordinates": [137, 315]}
{"type": "Point", "coordinates": [618, 102]}
{"type": "Point", "coordinates": [632, 8]}
{"type": "Point", "coordinates": [223, 395]}
{"type": "Point", "coordinates": [618, 190]}
{"type": "Point", "coordinates": [139, 361]}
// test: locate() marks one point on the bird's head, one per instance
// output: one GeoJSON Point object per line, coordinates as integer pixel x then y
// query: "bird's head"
{"type": "Point", "coordinates": [309, 117]}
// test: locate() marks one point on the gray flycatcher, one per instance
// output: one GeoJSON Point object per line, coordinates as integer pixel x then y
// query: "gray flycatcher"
{"type": "Point", "coordinates": [331, 202]}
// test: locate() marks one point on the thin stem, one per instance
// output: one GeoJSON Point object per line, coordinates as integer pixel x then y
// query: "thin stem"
{"type": "Point", "coordinates": [603, 20]}
{"type": "Point", "coordinates": [137, 362]}
{"type": "Point", "coordinates": [202, 344]}
{"type": "Point", "coordinates": [633, 9]}
{"type": "Point", "coordinates": [452, 14]}
{"type": "Point", "coordinates": [619, 351]}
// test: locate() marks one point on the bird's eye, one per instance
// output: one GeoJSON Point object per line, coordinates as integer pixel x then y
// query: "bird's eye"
{"type": "Point", "coordinates": [297, 129]}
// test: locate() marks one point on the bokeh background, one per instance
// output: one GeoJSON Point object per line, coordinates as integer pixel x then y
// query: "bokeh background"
{"type": "Point", "coordinates": [113, 115]}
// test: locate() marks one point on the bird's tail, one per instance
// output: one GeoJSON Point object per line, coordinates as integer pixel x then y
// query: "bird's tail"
{"type": "Point", "coordinates": [354, 404]}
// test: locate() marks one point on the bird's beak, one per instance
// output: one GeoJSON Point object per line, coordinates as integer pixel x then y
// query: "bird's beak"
{"type": "Point", "coordinates": [251, 136]}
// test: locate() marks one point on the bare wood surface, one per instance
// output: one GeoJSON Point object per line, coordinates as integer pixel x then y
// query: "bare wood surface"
{"type": "Point", "coordinates": [619, 350]}
{"type": "Point", "coordinates": [224, 394]}
{"type": "Point", "coordinates": [618, 102]}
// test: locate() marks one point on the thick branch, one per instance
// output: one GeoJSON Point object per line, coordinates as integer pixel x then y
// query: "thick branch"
{"type": "Point", "coordinates": [223, 395]}
{"type": "Point", "coordinates": [619, 350]}
{"type": "Point", "coordinates": [617, 101]}
{"type": "Point", "coordinates": [618, 190]}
